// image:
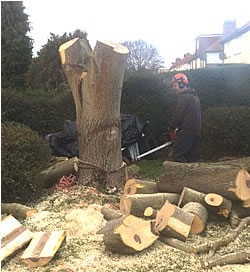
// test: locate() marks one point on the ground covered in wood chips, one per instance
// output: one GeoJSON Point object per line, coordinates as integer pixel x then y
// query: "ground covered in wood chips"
{"type": "Point", "coordinates": [78, 211]}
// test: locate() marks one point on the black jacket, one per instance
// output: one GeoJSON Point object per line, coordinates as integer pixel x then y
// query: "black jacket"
{"type": "Point", "coordinates": [187, 116]}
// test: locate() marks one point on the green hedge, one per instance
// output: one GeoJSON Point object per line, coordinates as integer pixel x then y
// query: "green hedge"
{"type": "Point", "coordinates": [42, 111]}
{"type": "Point", "coordinates": [24, 156]}
{"type": "Point", "coordinates": [225, 132]}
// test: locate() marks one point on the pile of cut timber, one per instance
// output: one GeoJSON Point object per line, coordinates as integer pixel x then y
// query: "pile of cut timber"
{"type": "Point", "coordinates": [173, 214]}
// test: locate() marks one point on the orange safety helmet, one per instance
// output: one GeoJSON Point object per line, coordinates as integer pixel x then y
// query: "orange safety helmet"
{"type": "Point", "coordinates": [181, 79]}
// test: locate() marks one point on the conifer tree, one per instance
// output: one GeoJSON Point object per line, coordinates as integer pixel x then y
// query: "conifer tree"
{"type": "Point", "coordinates": [16, 45]}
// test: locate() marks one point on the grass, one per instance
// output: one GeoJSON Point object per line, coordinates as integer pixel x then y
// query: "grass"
{"type": "Point", "coordinates": [149, 169]}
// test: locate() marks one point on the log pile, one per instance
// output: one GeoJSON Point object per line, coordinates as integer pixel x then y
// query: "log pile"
{"type": "Point", "coordinates": [171, 216]}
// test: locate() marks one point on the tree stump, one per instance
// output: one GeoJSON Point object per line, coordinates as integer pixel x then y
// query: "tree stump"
{"type": "Point", "coordinates": [96, 79]}
{"type": "Point", "coordinates": [203, 177]}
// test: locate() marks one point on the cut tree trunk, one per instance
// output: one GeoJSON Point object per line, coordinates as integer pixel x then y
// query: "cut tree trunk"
{"type": "Point", "coordinates": [200, 216]}
{"type": "Point", "coordinates": [214, 203]}
{"type": "Point", "coordinates": [19, 211]}
{"type": "Point", "coordinates": [203, 177]}
{"type": "Point", "coordinates": [61, 168]}
{"type": "Point", "coordinates": [96, 79]}
{"type": "Point", "coordinates": [136, 204]}
{"type": "Point", "coordinates": [128, 235]}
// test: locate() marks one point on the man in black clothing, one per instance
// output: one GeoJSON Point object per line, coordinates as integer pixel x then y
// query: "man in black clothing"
{"type": "Point", "coordinates": [186, 122]}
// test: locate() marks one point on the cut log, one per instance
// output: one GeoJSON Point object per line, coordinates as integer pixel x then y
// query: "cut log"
{"type": "Point", "coordinates": [214, 203]}
{"type": "Point", "coordinates": [61, 168]}
{"type": "Point", "coordinates": [221, 204]}
{"type": "Point", "coordinates": [96, 80]}
{"type": "Point", "coordinates": [179, 224]}
{"type": "Point", "coordinates": [233, 258]}
{"type": "Point", "coordinates": [242, 191]}
{"type": "Point", "coordinates": [19, 211]}
{"type": "Point", "coordinates": [42, 248]}
{"type": "Point", "coordinates": [150, 213]}
{"type": "Point", "coordinates": [203, 177]}
{"type": "Point", "coordinates": [110, 214]}
{"type": "Point", "coordinates": [112, 241]}
{"type": "Point", "coordinates": [163, 215]}
{"type": "Point", "coordinates": [136, 204]}
{"type": "Point", "coordinates": [200, 216]}
{"type": "Point", "coordinates": [137, 186]}
{"type": "Point", "coordinates": [13, 236]}
{"type": "Point", "coordinates": [225, 240]}
{"type": "Point", "coordinates": [128, 235]}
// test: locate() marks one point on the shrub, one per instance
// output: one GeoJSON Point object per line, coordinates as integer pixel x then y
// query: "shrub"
{"type": "Point", "coordinates": [225, 132]}
{"type": "Point", "coordinates": [24, 156]}
{"type": "Point", "coordinates": [42, 111]}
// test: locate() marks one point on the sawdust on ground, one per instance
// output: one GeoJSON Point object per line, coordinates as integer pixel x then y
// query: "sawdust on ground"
{"type": "Point", "coordinates": [79, 213]}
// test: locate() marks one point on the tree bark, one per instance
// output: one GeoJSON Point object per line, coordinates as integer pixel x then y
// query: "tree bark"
{"type": "Point", "coordinates": [203, 177]}
{"type": "Point", "coordinates": [19, 211]}
{"type": "Point", "coordinates": [96, 82]}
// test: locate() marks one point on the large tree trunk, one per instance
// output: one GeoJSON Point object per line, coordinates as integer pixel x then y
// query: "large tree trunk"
{"type": "Point", "coordinates": [96, 82]}
{"type": "Point", "coordinates": [203, 177]}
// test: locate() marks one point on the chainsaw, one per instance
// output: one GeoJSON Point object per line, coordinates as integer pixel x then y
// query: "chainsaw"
{"type": "Point", "coordinates": [154, 150]}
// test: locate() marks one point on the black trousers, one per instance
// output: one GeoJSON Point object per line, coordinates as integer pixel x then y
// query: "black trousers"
{"type": "Point", "coordinates": [185, 148]}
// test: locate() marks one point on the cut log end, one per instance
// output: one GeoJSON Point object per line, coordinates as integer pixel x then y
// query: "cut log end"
{"type": "Point", "coordinates": [31, 212]}
{"type": "Point", "coordinates": [136, 233]}
{"type": "Point", "coordinates": [214, 199]}
{"type": "Point", "coordinates": [37, 262]}
{"type": "Point", "coordinates": [117, 47]}
{"type": "Point", "coordinates": [125, 205]}
{"type": "Point", "coordinates": [242, 191]}
{"type": "Point", "coordinates": [63, 47]}
{"type": "Point", "coordinates": [130, 187]}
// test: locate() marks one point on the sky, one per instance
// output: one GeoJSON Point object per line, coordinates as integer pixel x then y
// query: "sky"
{"type": "Point", "coordinates": [169, 26]}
